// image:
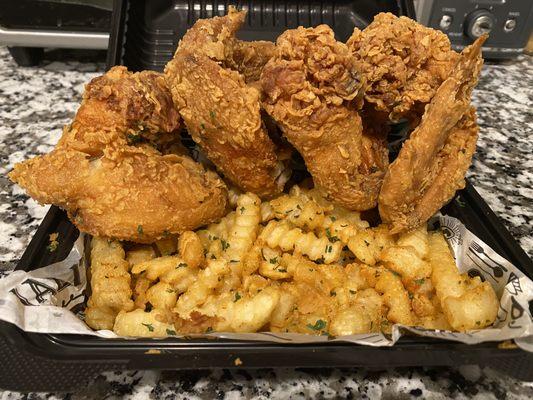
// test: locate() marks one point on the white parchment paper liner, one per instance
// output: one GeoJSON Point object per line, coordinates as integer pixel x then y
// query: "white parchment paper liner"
{"type": "Point", "coordinates": [51, 299]}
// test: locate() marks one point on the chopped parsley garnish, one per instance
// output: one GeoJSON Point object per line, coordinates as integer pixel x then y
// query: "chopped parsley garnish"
{"type": "Point", "coordinates": [273, 260]}
{"type": "Point", "coordinates": [133, 139]}
{"type": "Point", "coordinates": [170, 290]}
{"type": "Point", "coordinates": [53, 242]}
{"type": "Point", "coordinates": [332, 293]}
{"type": "Point", "coordinates": [181, 265]}
{"type": "Point", "coordinates": [225, 245]}
{"type": "Point", "coordinates": [212, 114]}
{"type": "Point", "coordinates": [329, 248]}
{"type": "Point", "coordinates": [140, 229]}
{"type": "Point", "coordinates": [331, 238]}
{"type": "Point", "coordinates": [170, 332]}
{"type": "Point", "coordinates": [281, 270]}
{"type": "Point", "coordinates": [237, 297]}
{"type": "Point", "coordinates": [318, 326]}
{"type": "Point", "coordinates": [242, 210]}
{"type": "Point", "coordinates": [202, 126]}
{"type": "Point", "coordinates": [150, 327]}
{"type": "Point", "coordinates": [420, 281]}
{"type": "Point", "coordinates": [332, 218]}
{"type": "Point", "coordinates": [396, 274]}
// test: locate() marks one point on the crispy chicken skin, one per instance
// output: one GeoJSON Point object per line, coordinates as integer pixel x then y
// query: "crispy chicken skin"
{"type": "Point", "coordinates": [136, 106]}
{"type": "Point", "coordinates": [403, 62]}
{"type": "Point", "coordinates": [130, 193]}
{"type": "Point", "coordinates": [249, 58]}
{"type": "Point", "coordinates": [222, 113]}
{"type": "Point", "coordinates": [432, 163]}
{"type": "Point", "coordinates": [116, 186]}
{"type": "Point", "coordinates": [312, 89]}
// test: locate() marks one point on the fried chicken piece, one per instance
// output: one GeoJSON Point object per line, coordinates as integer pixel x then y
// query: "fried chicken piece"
{"type": "Point", "coordinates": [312, 89]}
{"type": "Point", "coordinates": [249, 58]}
{"type": "Point", "coordinates": [221, 111]}
{"type": "Point", "coordinates": [403, 62]}
{"type": "Point", "coordinates": [114, 186]}
{"type": "Point", "coordinates": [432, 163]}
{"type": "Point", "coordinates": [130, 193]}
{"type": "Point", "coordinates": [135, 106]}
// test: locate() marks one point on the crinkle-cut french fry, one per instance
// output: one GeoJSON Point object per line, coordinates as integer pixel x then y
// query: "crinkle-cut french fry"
{"type": "Point", "coordinates": [300, 211]}
{"type": "Point", "coordinates": [368, 244]}
{"type": "Point", "coordinates": [244, 231]}
{"type": "Point", "coordinates": [271, 264]}
{"type": "Point", "coordinates": [180, 278]}
{"type": "Point", "coordinates": [405, 262]}
{"type": "Point", "coordinates": [467, 302]}
{"type": "Point", "coordinates": [417, 239]}
{"type": "Point", "coordinates": [162, 296]}
{"type": "Point", "coordinates": [207, 280]}
{"type": "Point", "coordinates": [267, 213]}
{"type": "Point", "coordinates": [110, 283]}
{"type": "Point", "coordinates": [394, 294]}
{"type": "Point", "coordinates": [139, 291]}
{"type": "Point", "coordinates": [100, 318]}
{"type": "Point", "coordinates": [351, 321]}
{"type": "Point", "coordinates": [166, 246]}
{"type": "Point", "coordinates": [191, 249]}
{"type": "Point", "coordinates": [158, 266]}
{"type": "Point", "coordinates": [214, 238]}
{"type": "Point", "coordinates": [239, 312]}
{"type": "Point", "coordinates": [285, 236]}
{"type": "Point", "coordinates": [139, 254]}
{"type": "Point", "coordinates": [138, 323]}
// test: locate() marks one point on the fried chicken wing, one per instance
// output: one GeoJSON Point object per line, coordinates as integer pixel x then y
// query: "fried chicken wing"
{"type": "Point", "coordinates": [108, 174]}
{"type": "Point", "coordinates": [130, 193]}
{"type": "Point", "coordinates": [403, 62]}
{"type": "Point", "coordinates": [221, 111]}
{"type": "Point", "coordinates": [432, 163]}
{"type": "Point", "coordinates": [135, 106]}
{"type": "Point", "coordinates": [312, 89]}
{"type": "Point", "coordinates": [249, 58]}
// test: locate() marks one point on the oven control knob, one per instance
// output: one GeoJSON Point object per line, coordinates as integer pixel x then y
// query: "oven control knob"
{"type": "Point", "coordinates": [478, 23]}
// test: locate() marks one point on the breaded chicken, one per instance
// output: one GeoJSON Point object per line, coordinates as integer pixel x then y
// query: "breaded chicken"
{"type": "Point", "coordinates": [129, 193]}
{"type": "Point", "coordinates": [403, 63]}
{"type": "Point", "coordinates": [432, 163]}
{"type": "Point", "coordinates": [135, 106]}
{"type": "Point", "coordinates": [312, 89]}
{"type": "Point", "coordinates": [221, 112]}
{"type": "Point", "coordinates": [108, 173]}
{"type": "Point", "coordinates": [249, 58]}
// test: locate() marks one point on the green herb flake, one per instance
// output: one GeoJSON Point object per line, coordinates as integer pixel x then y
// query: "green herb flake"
{"type": "Point", "coordinates": [332, 293]}
{"type": "Point", "coordinates": [150, 327]}
{"type": "Point", "coordinates": [242, 210]}
{"type": "Point", "coordinates": [352, 291]}
{"type": "Point", "coordinates": [170, 290]}
{"type": "Point", "coordinates": [225, 245]}
{"type": "Point", "coordinates": [318, 326]}
{"type": "Point", "coordinates": [331, 238]}
{"type": "Point", "coordinates": [478, 323]}
{"type": "Point", "coordinates": [213, 257]}
{"type": "Point", "coordinates": [396, 274]}
{"type": "Point", "coordinates": [281, 270]}
{"type": "Point", "coordinates": [212, 114]}
{"type": "Point", "coordinates": [237, 297]}
{"type": "Point", "coordinates": [182, 265]}
{"type": "Point", "coordinates": [133, 138]}
{"type": "Point", "coordinates": [171, 332]}
{"type": "Point", "coordinates": [420, 281]}
{"type": "Point", "coordinates": [411, 297]}
{"type": "Point", "coordinates": [332, 218]}
{"type": "Point", "coordinates": [273, 260]}
{"type": "Point", "coordinates": [202, 126]}
{"type": "Point", "coordinates": [140, 230]}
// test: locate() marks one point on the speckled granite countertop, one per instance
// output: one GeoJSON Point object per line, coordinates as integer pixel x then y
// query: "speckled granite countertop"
{"type": "Point", "coordinates": [36, 102]}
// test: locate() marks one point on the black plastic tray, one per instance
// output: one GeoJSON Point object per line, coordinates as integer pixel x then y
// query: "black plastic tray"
{"type": "Point", "coordinates": [43, 362]}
